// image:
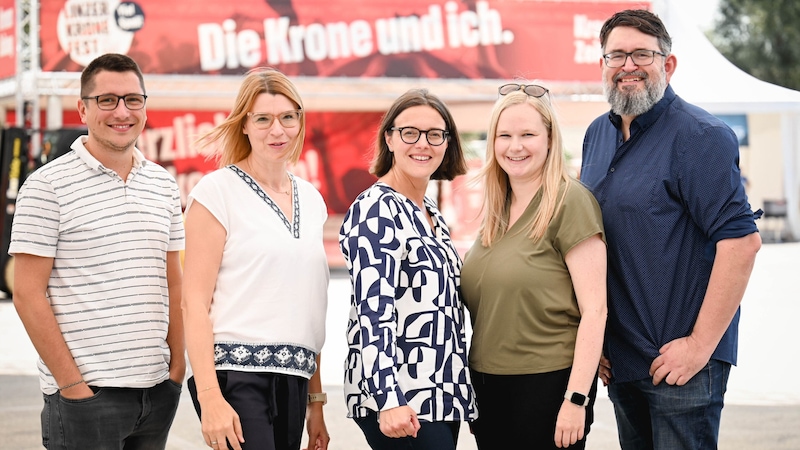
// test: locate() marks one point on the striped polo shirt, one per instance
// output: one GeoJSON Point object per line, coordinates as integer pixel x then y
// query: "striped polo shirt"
{"type": "Point", "coordinates": [109, 240]}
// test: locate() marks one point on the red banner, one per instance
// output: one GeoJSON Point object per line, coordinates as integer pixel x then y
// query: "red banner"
{"type": "Point", "coordinates": [335, 158]}
{"type": "Point", "coordinates": [543, 40]}
{"type": "Point", "coordinates": [8, 42]}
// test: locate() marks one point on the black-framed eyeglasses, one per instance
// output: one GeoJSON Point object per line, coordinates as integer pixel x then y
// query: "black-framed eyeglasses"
{"type": "Point", "coordinates": [109, 102]}
{"type": "Point", "coordinates": [288, 119]}
{"type": "Point", "coordinates": [639, 57]}
{"type": "Point", "coordinates": [534, 90]}
{"type": "Point", "coordinates": [410, 135]}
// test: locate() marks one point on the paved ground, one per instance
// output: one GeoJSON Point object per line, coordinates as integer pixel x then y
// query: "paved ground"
{"type": "Point", "coordinates": [743, 427]}
{"type": "Point", "coordinates": [763, 397]}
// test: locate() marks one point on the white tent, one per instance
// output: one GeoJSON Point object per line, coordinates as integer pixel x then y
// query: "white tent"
{"type": "Point", "coordinates": [704, 77]}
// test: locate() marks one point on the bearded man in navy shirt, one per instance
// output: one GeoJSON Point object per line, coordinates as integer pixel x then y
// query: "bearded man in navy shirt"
{"type": "Point", "coordinates": [682, 242]}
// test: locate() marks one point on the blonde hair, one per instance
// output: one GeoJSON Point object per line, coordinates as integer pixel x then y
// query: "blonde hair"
{"type": "Point", "coordinates": [497, 190]}
{"type": "Point", "coordinates": [233, 143]}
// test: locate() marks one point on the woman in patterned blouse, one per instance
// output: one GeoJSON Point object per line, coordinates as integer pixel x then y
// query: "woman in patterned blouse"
{"type": "Point", "coordinates": [406, 378]}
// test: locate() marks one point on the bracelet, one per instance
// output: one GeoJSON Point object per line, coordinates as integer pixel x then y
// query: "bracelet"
{"type": "Point", "coordinates": [321, 397]}
{"type": "Point", "coordinates": [208, 389]}
{"type": "Point", "coordinates": [71, 385]}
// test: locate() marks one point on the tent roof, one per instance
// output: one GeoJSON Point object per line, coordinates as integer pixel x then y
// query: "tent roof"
{"type": "Point", "coordinates": [706, 78]}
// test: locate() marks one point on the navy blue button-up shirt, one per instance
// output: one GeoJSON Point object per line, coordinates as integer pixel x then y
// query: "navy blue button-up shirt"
{"type": "Point", "coordinates": [668, 195]}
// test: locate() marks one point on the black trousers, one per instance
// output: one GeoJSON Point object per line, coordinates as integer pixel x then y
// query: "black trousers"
{"type": "Point", "coordinates": [520, 411]}
{"type": "Point", "coordinates": [271, 407]}
{"type": "Point", "coordinates": [431, 435]}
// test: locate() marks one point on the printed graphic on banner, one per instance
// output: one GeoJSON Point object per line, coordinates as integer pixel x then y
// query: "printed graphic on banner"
{"type": "Point", "coordinates": [415, 38]}
{"type": "Point", "coordinates": [89, 28]}
{"type": "Point", "coordinates": [8, 49]}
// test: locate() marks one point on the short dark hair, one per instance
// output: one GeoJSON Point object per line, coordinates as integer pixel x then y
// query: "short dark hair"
{"type": "Point", "coordinates": [453, 163]}
{"type": "Point", "coordinates": [111, 62]}
{"type": "Point", "coordinates": [641, 19]}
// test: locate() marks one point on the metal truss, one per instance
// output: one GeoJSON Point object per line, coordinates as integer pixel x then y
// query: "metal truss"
{"type": "Point", "coordinates": [27, 95]}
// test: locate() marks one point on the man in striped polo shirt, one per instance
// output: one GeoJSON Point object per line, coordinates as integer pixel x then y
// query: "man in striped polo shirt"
{"type": "Point", "coordinates": [96, 240]}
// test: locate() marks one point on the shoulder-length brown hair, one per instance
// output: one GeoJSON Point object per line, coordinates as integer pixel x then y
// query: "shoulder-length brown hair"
{"type": "Point", "coordinates": [497, 190]}
{"type": "Point", "coordinates": [232, 144]}
{"type": "Point", "coordinates": [453, 163]}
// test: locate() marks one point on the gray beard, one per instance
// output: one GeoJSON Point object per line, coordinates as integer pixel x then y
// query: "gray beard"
{"type": "Point", "coordinates": [635, 103]}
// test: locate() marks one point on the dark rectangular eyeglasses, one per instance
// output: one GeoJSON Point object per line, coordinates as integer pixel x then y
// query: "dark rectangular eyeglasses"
{"type": "Point", "coordinates": [109, 102]}
{"type": "Point", "coordinates": [639, 57]}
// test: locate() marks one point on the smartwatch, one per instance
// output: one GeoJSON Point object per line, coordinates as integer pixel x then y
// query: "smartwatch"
{"type": "Point", "coordinates": [577, 398]}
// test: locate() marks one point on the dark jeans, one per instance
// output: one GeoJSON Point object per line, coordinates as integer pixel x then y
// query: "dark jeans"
{"type": "Point", "coordinates": [271, 407]}
{"type": "Point", "coordinates": [520, 411]}
{"type": "Point", "coordinates": [671, 417]}
{"type": "Point", "coordinates": [431, 435]}
{"type": "Point", "coordinates": [111, 419]}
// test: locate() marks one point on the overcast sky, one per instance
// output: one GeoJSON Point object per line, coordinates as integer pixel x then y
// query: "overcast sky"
{"type": "Point", "coordinates": [704, 11]}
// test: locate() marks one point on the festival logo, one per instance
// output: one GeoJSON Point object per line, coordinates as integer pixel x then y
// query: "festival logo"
{"type": "Point", "coordinates": [89, 28]}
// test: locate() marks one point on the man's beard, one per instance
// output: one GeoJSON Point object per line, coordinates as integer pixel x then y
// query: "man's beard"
{"type": "Point", "coordinates": [634, 102]}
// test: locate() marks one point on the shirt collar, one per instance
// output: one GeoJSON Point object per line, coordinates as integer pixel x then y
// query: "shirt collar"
{"type": "Point", "coordinates": [79, 146]}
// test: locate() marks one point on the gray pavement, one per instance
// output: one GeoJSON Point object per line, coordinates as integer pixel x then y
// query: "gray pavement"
{"type": "Point", "coordinates": [763, 398]}
{"type": "Point", "coordinates": [743, 427]}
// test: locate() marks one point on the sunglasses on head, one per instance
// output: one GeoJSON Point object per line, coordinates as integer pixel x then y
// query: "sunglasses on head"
{"type": "Point", "coordinates": [533, 90]}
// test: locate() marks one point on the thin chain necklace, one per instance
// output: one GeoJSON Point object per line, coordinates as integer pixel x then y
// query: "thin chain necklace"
{"type": "Point", "coordinates": [288, 192]}
{"type": "Point", "coordinates": [253, 175]}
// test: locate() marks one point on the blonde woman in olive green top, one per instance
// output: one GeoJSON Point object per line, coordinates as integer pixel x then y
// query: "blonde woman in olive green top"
{"type": "Point", "coordinates": [535, 285]}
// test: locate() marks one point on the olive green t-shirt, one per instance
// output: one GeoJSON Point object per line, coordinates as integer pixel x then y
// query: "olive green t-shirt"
{"type": "Point", "coordinates": [519, 293]}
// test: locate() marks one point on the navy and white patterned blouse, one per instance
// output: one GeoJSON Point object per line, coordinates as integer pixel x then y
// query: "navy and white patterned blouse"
{"type": "Point", "coordinates": [406, 325]}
